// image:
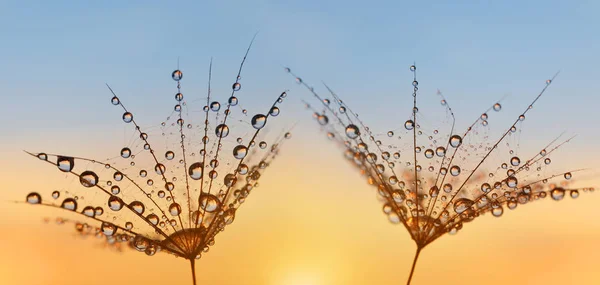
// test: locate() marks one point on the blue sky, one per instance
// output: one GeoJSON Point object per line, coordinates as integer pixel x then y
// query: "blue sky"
{"type": "Point", "coordinates": [59, 54]}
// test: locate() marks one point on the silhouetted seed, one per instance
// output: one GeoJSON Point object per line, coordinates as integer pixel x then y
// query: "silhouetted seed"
{"type": "Point", "coordinates": [468, 189]}
{"type": "Point", "coordinates": [182, 220]}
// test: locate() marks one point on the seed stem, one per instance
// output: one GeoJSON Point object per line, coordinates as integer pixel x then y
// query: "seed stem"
{"type": "Point", "coordinates": [412, 270]}
{"type": "Point", "coordinates": [192, 263]}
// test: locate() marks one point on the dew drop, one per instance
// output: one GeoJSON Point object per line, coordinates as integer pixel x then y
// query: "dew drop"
{"type": "Point", "coordinates": [462, 205]}
{"type": "Point", "coordinates": [259, 121]}
{"type": "Point", "coordinates": [236, 86]}
{"type": "Point", "coordinates": [175, 209]}
{"type": "Point", "coordinates": [177, 75]}
{"type": "Point", "coordinates": [515, 161]}
{"type": "Point", "coordinates": [65, 163]}
{"type": "Point", "coordinates": [455, 141]}
{"type": "Point", "coordinates": [169, 155]}
{"type": "Point", "coordinates": [195, 171]}
{"type": "Point", "coordinates": [240, 151]}
{"type": "Point", "coordinates": [34, 198]}
{"type": "Point", "coordinates": [409, 125]}
{"type": "Point", "coordinates": [137, 206]}
{"type": "Point", "coordinates": [127, 117]}
{"type": "Point", "coordinates": [115, 203]}
{"type": "Point", "coordinates": [557, 194]}
{"type": "Point", "coordinates": [352, 131]}
{"type": "Point", "coordinates": [69, 204]}
{"type": "Point", "coordinates": [88, 179]}
{"type": "Point", "coordinates": [497, 107]}
{"type": "Point", "coordinates": [55, 194]}
{"type": "Point", "coordinates": [108, 229]}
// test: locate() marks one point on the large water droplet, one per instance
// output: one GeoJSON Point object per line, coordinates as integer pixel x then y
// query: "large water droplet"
{"type": "Point", "coordinates": [137, 206]}
{"type": "Point", "coordinates": [177, 75]}
{"type": "Point", "coordinates": [222, 130]}
{"type": "Point", "coordinates": [240, 151]}
{"type": "Point", "coordinates": [195, 171]}
{"type": "Point", "coordinates": [88, 179]}
{"type": "Point", "coordinates": [175, 209]}
{"type": "Point", "coordinates": [259, 121]}
{"type": "Point", "coordinates": [34, 198]}
{"type": "Point", "coordinates": [65, 163]}
{"type": "Point", "coordinates": [352, 131]}
{"type": "Point", "coordinates": [210, 203]}
{"type": "Point", "coordinates": [455, 141]}
{"type": "Point", "coordinates": [127, 117]}
{"type": "Point", "coordinates": [462, 205]}
{"type": "Point", "coordinates": [69, 204]}
{"type": "Point", "coordinates": [557, 194]}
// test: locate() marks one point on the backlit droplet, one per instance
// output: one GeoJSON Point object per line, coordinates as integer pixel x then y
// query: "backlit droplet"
{"type": "Point", "coordinates": [455, 141]}
{"type": "Point", "coordinates": [568, 175]}
{"type": "Point", "coordinates": [240, 151]}
{"type": "Point", "coordinates": [125, 152]}
{"type": "Point", "coordinates": [236, 86]}
{"type": "Point", "coordinates": [42, 156]}
{"type": "Point", "coordinates": [177, 75]}
{"type": "Point", "coordinates": [55, 194]}
{"type": "Point", "coordinates": [88, 179]}
{"type": "Point", "coordinates": [175, 209]}
{"type": "Point", "coordinates": [222, 130]}
{"type": "Point", "coordinates": [409, 125]}
{"type": "Point", "coordinates": [462, 205]}
{"type": "Point", "coordinates": [498, 211]}
{"type": "Point", "coordinates": [108, 229]}
{"type": "Point", "coordinates": [127, 117]}
{"type": "Point", "coordinates": [259, 121]}
{"type": "Point", "coordinates": [195, 171]}
{"type": "Point", "coordinates": [455, 170]}
{"type": "Point", "coordinates": [210, 203]}
{"type": "Point", "coordinates": [352, 131]}
{"type": "Point", "coordinates": [515, 161]}
{"type": "Point", "coordinates": [69, 204]}
{"type": "Point", "coordinates": [115, 203]}
{"type": "Point", "coordinates": [65, 163]}
{"type": "Point", "coordinates": [574, 194]}
{"type": "Point", "coordinates": [115, 100]}
{"type": "Point", "coordinates": [160, 169]}
{"type": "Point", "coordinates": [557, 194]}
{"type": "Point", "coordinates": [497, 107]}
{"type": "Point", "coordinates": [34, 198]}
{"type": "Point", "coordinates": [137, 206]}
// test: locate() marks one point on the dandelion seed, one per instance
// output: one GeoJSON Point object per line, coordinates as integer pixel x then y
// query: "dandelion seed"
{"type": "Point", "coordinates": [471, 182]}
{"type": "Point", "coordinates": [156, 203]}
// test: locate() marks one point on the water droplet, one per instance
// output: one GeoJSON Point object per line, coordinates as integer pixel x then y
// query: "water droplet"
{"type": "Point", "coordinates": [274, 111]}
{"type": "Point", "coordinates": [557, 194]}
{"type": "Point", "coordinates": [65, 163]}
{"type": "Point", "coordinates": [175, 209]}
{"type": "Point", "coordinates": [169, 155]}
{"type": "Point", "coordinates": [137, 206]}
{"type": "Point", "coordinates": [352, 131]}
{"type": "Point", "coordinates": [485, 187]}
{"type": "Point", "coordinates": [127, 117]}
{"type": "Point", "coordinates": [195, 171]}
{"type": "Point", "coordinates": [89, 211]}
{"type": "Point", "coordinates": [259, 121]}
{"type": "Point", "coordinates": [34, 198]}
{"type": "Point", "coordinates": [574, 194]}
{"type": "Point", "coordinates": [222, 130]}
{"type": "Point", "coordinates": [568, 175]}
{"type": "Point", "coordinates": [515, 161]}
{"type": "Point", "coordinates": [236, 86]}
{"type": "Point", "coordinates": [215, 106]}
{"type": "Point", "coordinates": [462, 205]}
{"type": "Point", "coordinates": [455, 141]}
{"type": "Point", "coordinates": [115, 100]}
{"type": "Point", "coordinates": [208, 202]}
{"type": "Point", "coordinates": [455, 170]}
{"type": "Point", "coordinates": [115, 203]}
{"type": "Point", "coordinates": [409, 125]}
{"type": "Point", "coordinates": [153, 219]}
{"type": "Point", "coordinates": [440, 151]}
{"type": "Point", "coordinates": [55, 194]}
{"type": "Point", "coordinates": [69, 204]}
{"type": "Point", "coordinates": [547, 161]}
{"type": "Point", "coordinates": [88, 179]}
{"type": "Point", "coordinates": [497, 107]}
{"type": "Point", "coordinates": [179, 97]}
{"type": "Point", "coordinates": [511, 182]}
{"type": "Point", "coordinates": [160, 169]}
{"type": "Point", "coordinates": [498, 211]}
{"type": "Point", "coordinates": [233, 101]}
{"type": "Point", "coordinates": [108, 229]}
{"type": "Point", "coordinates": [177, 75]}
{"type": "Point", "coordinates": [42, 156]}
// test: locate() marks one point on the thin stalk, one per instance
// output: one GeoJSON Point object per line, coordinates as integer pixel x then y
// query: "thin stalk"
{"type": "Point", "coordinates": [412, 270]}
{"type": "Point", "coordinates": [192, 263]}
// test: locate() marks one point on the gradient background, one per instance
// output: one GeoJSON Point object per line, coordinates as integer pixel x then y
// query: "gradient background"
{"type": "Point", "coordinates": [314, 220]}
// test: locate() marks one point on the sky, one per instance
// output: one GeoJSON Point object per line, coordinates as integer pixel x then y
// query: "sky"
{"type": "Point", "coordinates": [315, 222]}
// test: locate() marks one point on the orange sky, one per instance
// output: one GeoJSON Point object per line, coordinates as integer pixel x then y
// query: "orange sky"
{"type": "Point", "coordinates": [316, 223]}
